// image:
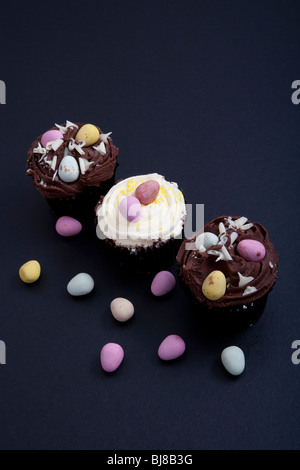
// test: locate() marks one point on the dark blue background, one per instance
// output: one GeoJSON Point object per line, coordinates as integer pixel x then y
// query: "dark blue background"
{"type": "Point", "coordinates": [199, 91]}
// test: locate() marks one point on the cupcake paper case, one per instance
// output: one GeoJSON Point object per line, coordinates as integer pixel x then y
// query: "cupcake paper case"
{"type": "Point", "coordinates": [230, 270]}
{"type": "Point", "coordinates": [72, 165]}
{"type": "Point", "coordinates": [151, 241]}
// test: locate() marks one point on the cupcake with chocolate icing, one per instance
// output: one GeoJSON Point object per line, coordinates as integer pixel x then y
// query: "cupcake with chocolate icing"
{"type": "Point", "coordinates": [229, 270]}
{"type": "Point", "coordinates": [142, 219]}
{"type": "Point", "coordinates": [72, 165]}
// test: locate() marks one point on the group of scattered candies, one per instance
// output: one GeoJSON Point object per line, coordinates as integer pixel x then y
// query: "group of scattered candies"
{"type": "Point", "coordinates": [112, 354]}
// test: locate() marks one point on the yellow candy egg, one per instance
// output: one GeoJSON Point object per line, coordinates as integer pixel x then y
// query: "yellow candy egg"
{"type": "Point", "coordinates": [214, 286]}
{"type": "Point", "coordinates": [30, 271]}
{"type": "Point", "coordinates": [89, 133]}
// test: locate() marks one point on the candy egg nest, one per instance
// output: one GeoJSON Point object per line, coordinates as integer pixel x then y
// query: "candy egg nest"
{"type": "Point", "coordinates": [242, 256]}
{"type": "Point", "coordinates": [67, 158]}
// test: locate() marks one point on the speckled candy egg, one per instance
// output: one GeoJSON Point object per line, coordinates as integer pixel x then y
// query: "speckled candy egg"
{"type": "Point", "coordinates": [68, 169]}
{"type": "Point", "coordinates": [67, 226]}
{"type": "Point", "coordinates": [89, 133]}
{"type": "Point", "coordinates": [49, 136]}
{"type": "Point", "coordinates": [111, 356]}
{"type": "Point", "coordinates": [163, 282]}
{"type": "Point", "coordinates": [146, 192]}
{"type": "Point", "coordinates": [251, 250]}
{"type": "Point", "coordinates": [206, 240]}
{"type": "Point", "coordinates": [214, 285]}
{"type": "Point", "coordinates": [172, 347]}
{"type": "Point", "coordinates": [130, 208]}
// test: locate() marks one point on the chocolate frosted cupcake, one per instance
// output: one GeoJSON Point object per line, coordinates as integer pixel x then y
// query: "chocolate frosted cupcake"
{"type": "Point", "coordinates": [142, 219]}
{"type": "Point", "coordinates": [229, 270]}
{"type": "Point", "coordinates": [72, 165]}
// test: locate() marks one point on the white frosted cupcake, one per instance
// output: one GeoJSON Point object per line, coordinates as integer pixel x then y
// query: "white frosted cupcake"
{"type": "Point", "coordinates": [142, 217]}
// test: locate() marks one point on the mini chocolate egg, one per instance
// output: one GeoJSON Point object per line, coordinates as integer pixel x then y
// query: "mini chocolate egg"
{"type": "Point", "coordinates": [81, 284]}
{"type": "Point", "coordinates": [214, 286]}
{"type": "Point", "coordinates": [146, 192]}
{"type": "Point", "coordinates": [121, 309]}
{"type": "Point", "coordinates": [251, 250]}
{"type": "Point", "coordinates": [67, 226]}
{"type": "Point", "coordinates": [68, 169]}
{"type": "Point", "coordinates": [30, 271]}
{"type": "Point", "coordinates": [172, 347]}
{"type": "Point", "coordinates": [233, 359]}
{"type": "Point", "coordinates": [89, 133]}
{"type": "Point", "coordinates": [130, 208]}
{"type": "Point", "coordinates": [50, 136]}
{"type": "Point", "coordinates": [163, 282]}
{"type": "Point", "coordinates": [111, 356]}
{"type": "Point", "coordinates": [206, 240]}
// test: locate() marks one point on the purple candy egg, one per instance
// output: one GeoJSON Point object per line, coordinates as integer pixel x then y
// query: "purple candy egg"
{"type": "Point", "coordinates": [163, 283]}
{"type": "Point", "coordinates": [146, 192]}
{"type": "Point", "coordinates": [251, 250]}
{"type": "Point", "coordinates": [111, 356]}
{"type": "Point", "coordinates": [49, 136]}
{"type": "Point", "coordinates": [172, 347]}
{"type": "Point", "coordinates": [130, 208]}
{"type": "Point", "coordinates": [67, 226]}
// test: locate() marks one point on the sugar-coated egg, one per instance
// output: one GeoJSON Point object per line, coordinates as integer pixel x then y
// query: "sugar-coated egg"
{"type": "Point", "coordinates": [68, 169]}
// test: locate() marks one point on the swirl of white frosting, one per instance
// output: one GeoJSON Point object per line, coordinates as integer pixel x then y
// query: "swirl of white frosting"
{"type": "Point", "coordinates": [161, 220]}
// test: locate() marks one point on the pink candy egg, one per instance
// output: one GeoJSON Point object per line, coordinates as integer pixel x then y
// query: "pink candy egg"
{"type": "Point", "coordinates": [111, 356]}
{"type": "Point", "coordinates": [130, 207]}
{"type": "Point", "coordinates": [147, 192]}
{"type": "Point", "coordinates": [67, 226]}
{"type": "Point", "coordinates": [49, 136]}
{"type": "Point", "coordinates": [172, 347]}
{"type": "Point", "coordinates": [251, 250]}
{"type": "Point", "coordinates": [163, 283]}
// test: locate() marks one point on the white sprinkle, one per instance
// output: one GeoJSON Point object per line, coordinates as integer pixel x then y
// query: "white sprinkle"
{"type": "Point", "coordinates": [244, 280]}
{"type": "Point", "coordinates": [54, 161]}
{"type": "Point", "coordinates": [216, 253]}
{"type": "Point", "coordinates": [226, 254]}
{"type": "Point", "coordinates": [222, 229]}
{"type": "Point", "coordinates": [76, 146]}
{"type": "Point", "coordinates": [84, 165]}
{"type": "Point", "coordinates": [101, 148]}
{"type": "Point", "coordinates": [249, 290]}
{"type": "Point", "coordinates": [63, 129]}
{"type": "Point", "coordinates": [271, 264]}
{"type": "Point", "coordinates": [104, 137]}
{"type": "Point", "coordinates": [233, 237]}
{"type": "Point", "coordinates": [239, 224]}
{"type": "Point", "coordinates": [54, 144]}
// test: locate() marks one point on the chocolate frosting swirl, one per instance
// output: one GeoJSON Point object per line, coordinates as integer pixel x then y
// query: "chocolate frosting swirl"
{"type": "Point", "coordinates": [195, 266]}
{"type": "Point", "coordinates": [49, 183]}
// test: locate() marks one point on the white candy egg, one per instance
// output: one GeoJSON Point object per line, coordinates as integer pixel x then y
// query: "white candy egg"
{"type": "Point", "coordinates": [233, 359]}
{"type": "Point", "coordinates": [82, 284]}
{"type": "Point", "coordinates": [68, 169]}
{"type": "Point", "coordinates": [206, 240]}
